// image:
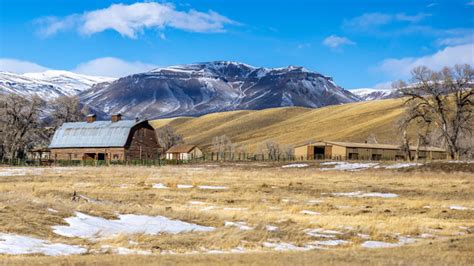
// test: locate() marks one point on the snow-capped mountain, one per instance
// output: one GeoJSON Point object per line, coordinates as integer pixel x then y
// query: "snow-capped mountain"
{"type": "Point", "coordinates": [369, 94]}
{"type": "Point", "coordinates": [49, 84]}
{"type": "Point", "coordinates": [202, 88]}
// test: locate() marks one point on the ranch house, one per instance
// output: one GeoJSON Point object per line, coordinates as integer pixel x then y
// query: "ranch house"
{"type": "Point", "coordinates": [363, 151]}
{"type": "Point", "coordinates": [183, 152]}
{"type": "Point", "coordinates": [113, 140]}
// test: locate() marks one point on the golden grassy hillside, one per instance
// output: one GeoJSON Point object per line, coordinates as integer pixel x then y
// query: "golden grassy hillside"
{"type": "Point", "coordinates": [294, 125]}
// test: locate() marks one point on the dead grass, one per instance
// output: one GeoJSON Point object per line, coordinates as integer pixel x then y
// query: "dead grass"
{"type": "Point", "coordinates": [294, 125]}
{"type": "Point", "coordinates": [257, 194]}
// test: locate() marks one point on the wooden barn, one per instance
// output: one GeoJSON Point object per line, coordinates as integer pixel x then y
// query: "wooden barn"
{"type": "Point", "coordinates": [183, 152]}
{"type": "Point", "coordinates": [113, 140]}
{"type": "Point", "coordinates": [363, 151]}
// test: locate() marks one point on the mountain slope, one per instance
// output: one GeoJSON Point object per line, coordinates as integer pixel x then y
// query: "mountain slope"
{"type": "Point", "coordinates": [49, 84]}
{"type": "Point", "coordinates": [369, 94]}
{"type": "Point", "coordinates": [197, 89]}
{"type": "Point", "coordinates": [294, 125]}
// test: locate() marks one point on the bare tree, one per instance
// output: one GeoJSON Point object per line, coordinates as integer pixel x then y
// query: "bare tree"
{"type": "Point", "coordinates": [19, 124]}
{"type": "Point", "coordinates": [167, 137]}
{"type": "Point", "coordinates": [443, 100]}
{"type": "Point", "coordinates": [288, 151]}
{"type": "Point", "coordinates": [222, 145]}
{"type": "Point", "coordinates": [67, 109]}
{"type": "Point", "coordinates": [271, 149]}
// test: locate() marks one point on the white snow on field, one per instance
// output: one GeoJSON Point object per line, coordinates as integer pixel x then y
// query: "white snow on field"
{"type": "Point", "coordinates": [91, 227]}
{"type": "Point", "coordinates": [459, 208]}
{"type": "Point", "coordinates": [271, 228]}
{"type": "Point", "coordinates": [360, 194]}
{"type": "Point", "coordinates": [241, 225]}
{"type": "Point", "coordinates": [402, 165]}
{"type": "Point", "coordinates": [124, 251]}
{"type": "Point", "coordinates": [320, 232]}
{"type": "Point", "coordinates": [52, 210]}
{"type": "Point", "coordinates": [195, 202]}
{"type": "Point", "coordinates": [379, 244]}
{"type": "Point", "coordinates": [345, 166]}
{"type": "Point", "coordinates": [184, 186]}
{"type": "Point", "coordinates": [335, 242]}
{"type": "Point", "coordinates": [15, 245]}
{"type": "Point", "coordinates": [309, 212]}
{"type": "Point", "coordinates": [212, 187]}
{"type": "Point", "coordinates": [13, 172]}
{"type": "Point", "coordinates": [295, 165]}
{"type": "Point", "coordinates": [284, 246]}
{"type": "Point", "coordinates": [160, 186]}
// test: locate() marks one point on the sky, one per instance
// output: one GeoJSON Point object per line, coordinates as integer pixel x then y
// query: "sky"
{"type": "Point", "coordinates": [358, 43]}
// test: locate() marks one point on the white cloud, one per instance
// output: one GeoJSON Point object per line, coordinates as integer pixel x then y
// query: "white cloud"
{"type": "Point", "coordinates": [112, 67]}
{"type": "Point", "coordinates": [369, 21]}
{"type": "Point", "coordinates": [104, 66]}
{"type": "Point", "coordinates": [334, 41]}
{"type": "Point", "coordinates": [19, 66]}
{"type": "Point", "coordinates": [130, 20]}
{"type": "Point", "coordinates": [451, 41]}
{"type": "Point", "coordinates": [449, 56]}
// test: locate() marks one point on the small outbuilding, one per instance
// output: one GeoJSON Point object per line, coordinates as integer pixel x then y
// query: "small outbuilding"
{"type": "Point", "coordinates": [113, 140]}
{"type": "Point", "coordinates": [183, 152]}
{"type": "Point", "coordinates": [363, 151]}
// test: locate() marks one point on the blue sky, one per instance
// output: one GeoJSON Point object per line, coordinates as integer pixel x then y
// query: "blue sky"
{"type": "Point", "coordinates": [358, 43]}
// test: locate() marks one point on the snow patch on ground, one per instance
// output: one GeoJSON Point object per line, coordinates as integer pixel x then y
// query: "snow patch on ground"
{"type": "Point", "coordinates": [241, 225]}
{"type": "Point", "coordinates": [345, 166]}
{"type": "Point", "coordinates": [295, 165]}
{"type": "Point", "coordinates": [282, 246]}
{"type": "Point", "coordinates": [323, 233]}
{"type": "Point", "coordinates": [334, 242]}
{"type": "Point", "coordinates": [360, 194]}
{"type": "Point", "coordinates": [160, 186]}
{"type": "Point", "coordinates": [16, 245]}
{"type": "Point", "coordinates": [184, 186]}
{"type": "Point", "coordinates": [379, 244]}
{"type": "Point", "coordinates": [91, 227]}
{"type": "Point", "coordinates": [459, 208]}
{"type": "Point", "coordinates": [271, 228]}
{"type": "Point", "coordinates": [402, 165]}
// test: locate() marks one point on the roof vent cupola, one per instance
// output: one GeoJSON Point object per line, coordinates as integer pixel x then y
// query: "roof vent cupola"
{"type": "Point", "coordinates": [91, 118]}
{"type": "Point", "coordinates": [116, 117]}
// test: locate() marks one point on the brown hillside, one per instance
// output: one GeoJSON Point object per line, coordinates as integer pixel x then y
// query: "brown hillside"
{"type": "Point", "coordinates": [294, 125]}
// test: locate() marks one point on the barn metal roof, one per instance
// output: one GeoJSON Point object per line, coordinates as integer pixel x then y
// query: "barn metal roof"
{"type": "Point", "coordinates": [97, 134]}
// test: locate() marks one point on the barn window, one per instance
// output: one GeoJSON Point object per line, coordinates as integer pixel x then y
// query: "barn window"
{"type": "Point", "coordinates": [116, 156]}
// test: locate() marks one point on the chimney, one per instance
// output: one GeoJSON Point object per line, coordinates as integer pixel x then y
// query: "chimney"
{"type": "Point", "coordinates": [116, 117]}
{"type": "Point", "coordinates": [90, 118]}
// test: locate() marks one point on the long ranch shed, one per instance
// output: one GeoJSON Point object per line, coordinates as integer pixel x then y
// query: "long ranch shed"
{"type": "Point", "coordinates": [363, 151]}
{"type": "Point", "coordinates": [114, 140]}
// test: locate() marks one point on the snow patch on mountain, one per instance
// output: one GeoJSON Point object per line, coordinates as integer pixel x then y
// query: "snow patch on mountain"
{"type": "Point", "coordinates": [49, 84]}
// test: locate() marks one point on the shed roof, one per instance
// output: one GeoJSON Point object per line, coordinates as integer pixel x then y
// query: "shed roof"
{"type": "Point", "coordinates": [372, 146]}
{"type": "Point", "coordinates": [98, 134]}
{"type": "Point", "coordinates": [181, 148]}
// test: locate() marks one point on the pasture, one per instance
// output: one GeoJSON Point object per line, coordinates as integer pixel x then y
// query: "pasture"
{"type": "Point", "coordinates": [239, 213]}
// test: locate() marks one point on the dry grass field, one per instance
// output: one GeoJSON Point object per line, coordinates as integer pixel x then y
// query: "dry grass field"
{"type": "Point", "coordinates": [294, 125]}
{"type": "Point", "coordinates": [253, 213]}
